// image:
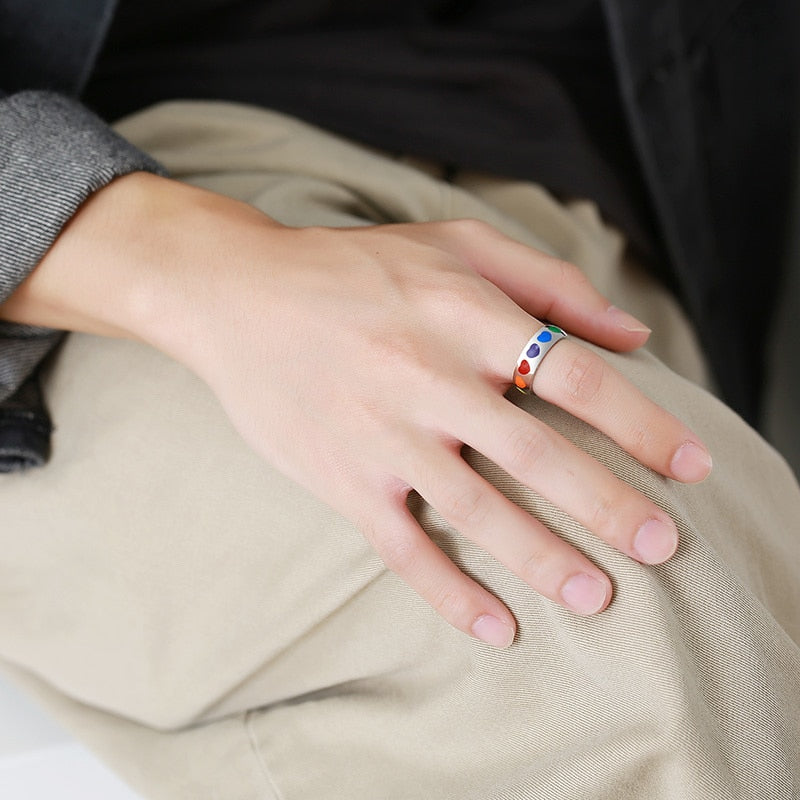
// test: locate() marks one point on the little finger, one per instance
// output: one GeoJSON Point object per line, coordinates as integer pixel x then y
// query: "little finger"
{"type": "Point", "coordinates": [409, 552]}
{"type": "Point", "coordinates": [480, 512]}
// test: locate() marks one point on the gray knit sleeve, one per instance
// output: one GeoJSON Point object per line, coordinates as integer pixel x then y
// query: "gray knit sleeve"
{"type": "Point", "coordinates": [53, 154]}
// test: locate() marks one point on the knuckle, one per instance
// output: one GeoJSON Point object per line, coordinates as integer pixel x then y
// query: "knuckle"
{"type": "Point", "coordinates": [584, 378]}
{"type": "Point", "coordinates": [456, 297]}
{"type": "Point", "coordinates": [570, 275]}
{"type": "Point", "coordinates": [449, 602]}
{"type": "Point", "coordinates": [533, 568]}
{"type": "Point", "coordinates": [373, 524]}
{"type": "Point", "coordinates": [641, 438]}
{"type": "Point", "coordinates": [602, 514]}
{"type": "Point", "coordinates": [469, 227]}
{"type": "Point", "coordinates": [411, 359]}
{"type": "Point", "coordinates": [369, 530]}
{"type": "Point", "coordinates": [400, 554]}
{"type": "Point", "coordinates": [527, 449]}
{"type": "Point", "coordinates": [467, 508]}
{"type": "Point", "coordinates": [399, 352]}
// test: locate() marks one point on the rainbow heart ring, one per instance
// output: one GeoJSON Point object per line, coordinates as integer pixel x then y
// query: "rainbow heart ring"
{"type": "Point", "coordinates": [532, 355]}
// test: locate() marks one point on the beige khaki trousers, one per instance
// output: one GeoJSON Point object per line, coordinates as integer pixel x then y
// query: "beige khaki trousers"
{"type": "Point", "coordinates": [213, 631]}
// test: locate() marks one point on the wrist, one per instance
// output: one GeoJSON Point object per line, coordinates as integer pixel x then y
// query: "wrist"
{"type": "Point", "coordinates": [138, 260]}
{"type": "Point", "coordinates": [88, 278]}
{"type": "Point", "coordinates": [191, 269]}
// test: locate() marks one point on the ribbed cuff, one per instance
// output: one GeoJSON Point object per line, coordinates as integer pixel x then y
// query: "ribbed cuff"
{"type": "Point", "coordinates": [54, 153]}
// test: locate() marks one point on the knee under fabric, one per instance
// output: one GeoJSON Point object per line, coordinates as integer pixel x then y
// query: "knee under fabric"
{"type": "Point", "coordinates": [212, 630]}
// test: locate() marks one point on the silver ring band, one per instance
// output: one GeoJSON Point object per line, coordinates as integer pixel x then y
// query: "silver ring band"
{"type": "Point", "coordinates": [532, 355]}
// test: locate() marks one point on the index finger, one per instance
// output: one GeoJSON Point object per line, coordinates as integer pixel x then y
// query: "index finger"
{"type": "Point", "coordinates": [547, 287]}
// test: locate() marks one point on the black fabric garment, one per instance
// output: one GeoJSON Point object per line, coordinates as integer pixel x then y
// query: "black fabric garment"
{"type": "Point", "coordinates": [712, 93]}
{"type": "Point", "coordinates": [518, 88]}
{"type": "Point", "coordinates": [50, 44]}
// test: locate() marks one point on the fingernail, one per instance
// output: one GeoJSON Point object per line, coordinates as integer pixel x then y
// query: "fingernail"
{"type": "Point", "coordinates": [655, 541]}
{"type": "Point", "coordinates": [691, 463]}
{"type": "Point", "coordinates": [627, 321]}
{"type": "Point", "coordinates": [584, 594]}
{"type": "Point", "coordinates": [491, 630]}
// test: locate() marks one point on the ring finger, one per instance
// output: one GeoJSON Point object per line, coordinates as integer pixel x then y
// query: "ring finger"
{"type": "Point", "coordinates": [583, 383]}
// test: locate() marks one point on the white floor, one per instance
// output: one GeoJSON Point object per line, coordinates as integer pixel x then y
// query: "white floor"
{"type": "Point", "coordinates": [39, 761]}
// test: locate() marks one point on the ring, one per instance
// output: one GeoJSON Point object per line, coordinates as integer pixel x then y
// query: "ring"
{"type": "Point", "coordinates": [532, 355]}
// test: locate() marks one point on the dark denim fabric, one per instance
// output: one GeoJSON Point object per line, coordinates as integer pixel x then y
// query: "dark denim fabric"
{"type": "Point", "coordinates": [25, 428]}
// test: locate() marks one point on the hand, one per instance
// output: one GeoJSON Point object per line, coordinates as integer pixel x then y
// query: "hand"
{"type": "Point", "coordinates": [359, 361]}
